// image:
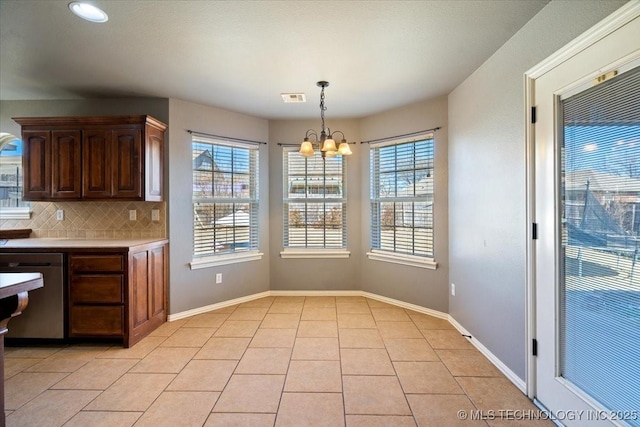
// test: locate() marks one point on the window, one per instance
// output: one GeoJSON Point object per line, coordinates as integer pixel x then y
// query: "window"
{"type": "Point", "coordinates": [402, 201]}
{"type": "Point", "coordinates": [314, 202]}
{"type": "Point", "coordinates": [225, 199]}
{"type": "Point", "coordinates": [11, 204]}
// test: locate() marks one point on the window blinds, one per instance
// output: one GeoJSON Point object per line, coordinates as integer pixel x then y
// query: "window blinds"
{"type": "Point", "coordinates": [402, 197]}
{"type": "Point", "coordinates": [315, 214]}
{"type": "Point", "coordinates": [600, 218]}
{"type": "Point", "coordinates": [225, 196]}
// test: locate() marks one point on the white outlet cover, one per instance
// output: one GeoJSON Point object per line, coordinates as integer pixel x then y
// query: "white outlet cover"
{"type": "Point", "coordinates": [60, 215]}
{"type": "Point", "coordinates": [132, 215]}
{"type": "Point", "coordinates": [155, 215]}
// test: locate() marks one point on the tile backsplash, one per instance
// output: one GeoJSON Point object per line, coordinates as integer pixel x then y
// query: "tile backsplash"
{"type": "Point", "coordinates": [93, 220]}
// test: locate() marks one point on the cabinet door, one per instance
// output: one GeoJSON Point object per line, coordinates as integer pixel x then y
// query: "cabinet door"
{"type": "Point", "coordinates": [36, 164]}
{"type": "Point", "coordinates": [96, 166]}
{"type": "Point", "coordinates": [126, 164]}
{"type": "Point", "coordinates": [66, 163]}
{"type": "Point", "coordinates": [154, 158]}
{"type": "Point", "coordinates": [157, 282]}
{"type": "Point", "coordinates": [147, 296]}
{"type": "Point", "coordinates": [139, 281]}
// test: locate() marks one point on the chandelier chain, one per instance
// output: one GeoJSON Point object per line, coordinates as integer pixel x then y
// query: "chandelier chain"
{"type": "Point", "coordinates": [322, 107]}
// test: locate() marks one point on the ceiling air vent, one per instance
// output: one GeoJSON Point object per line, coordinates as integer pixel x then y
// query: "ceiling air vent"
{"type": "Point", "coordinates": [293, 97]}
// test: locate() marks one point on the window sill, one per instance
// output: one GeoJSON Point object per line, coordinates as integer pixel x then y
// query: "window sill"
{"type": "Point", "coordinates": [314, 253]}
{"type": "Point", "coordinates": [217, 260]}
{"type": "Point", "coordinates": [412, 261]}
{"type": "Point", "coordinates": [15, 213]}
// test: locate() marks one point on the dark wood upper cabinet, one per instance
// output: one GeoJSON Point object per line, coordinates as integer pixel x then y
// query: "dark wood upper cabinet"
{"type": "Point", "coordinates": [66, 163]}
{"type": "Point", "coordinates": [154, 149]}
{"type": "Point", "coordinates": [96, 164]}
{"type": "Point", "coordinates": [93, 158]}
{"type": "Point", "coordinates": [126, 164]}
{"type": "Point", "coordinates": [36, 164]}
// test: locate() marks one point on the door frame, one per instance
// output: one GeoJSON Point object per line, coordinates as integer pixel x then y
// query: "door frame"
{"type": "Point", "coordinates": [608, 25]}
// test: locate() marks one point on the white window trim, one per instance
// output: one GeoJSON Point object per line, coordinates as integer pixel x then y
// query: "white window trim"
{"type": "Point", "coordinates": [218, 260]}
{"type": "Point", "coordinates": [410, 260]}
{"type": "Point", "coordinates": [15, 213]}
{"type": "Point", "coordinates": [300, 253]}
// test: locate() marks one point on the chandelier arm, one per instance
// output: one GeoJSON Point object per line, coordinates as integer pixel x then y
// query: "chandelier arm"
{"type": "Point", "coordinates": [313, 133]}
{"type": "Point", "coordinates": [338, 131]}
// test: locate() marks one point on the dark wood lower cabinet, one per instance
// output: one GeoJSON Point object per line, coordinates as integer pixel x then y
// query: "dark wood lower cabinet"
{"type": "Point", "coordinates": [117, 295]}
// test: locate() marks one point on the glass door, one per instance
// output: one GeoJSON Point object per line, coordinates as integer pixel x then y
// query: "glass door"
{"type": "Point", "coordinates": [588, 208]}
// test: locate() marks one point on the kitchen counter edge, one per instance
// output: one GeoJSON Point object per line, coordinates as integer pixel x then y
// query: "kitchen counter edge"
{"type": "Point", "coordinates": [78, 245]}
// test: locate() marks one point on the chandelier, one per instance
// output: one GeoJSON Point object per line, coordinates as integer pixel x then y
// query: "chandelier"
{"type": "Point", "coordinates": [325, 141]}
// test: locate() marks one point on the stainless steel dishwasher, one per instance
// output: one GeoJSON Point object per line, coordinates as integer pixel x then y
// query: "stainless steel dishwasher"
{"type": "Point", "coordinates": [44, 316]}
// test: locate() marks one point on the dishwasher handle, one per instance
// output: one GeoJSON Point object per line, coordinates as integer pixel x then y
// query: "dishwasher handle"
{"type": "Point", "coordinates": [29, 264]}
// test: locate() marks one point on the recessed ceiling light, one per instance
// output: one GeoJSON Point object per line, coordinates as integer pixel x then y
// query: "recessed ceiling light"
{"type": "Point", "coordinates": [88, 11]}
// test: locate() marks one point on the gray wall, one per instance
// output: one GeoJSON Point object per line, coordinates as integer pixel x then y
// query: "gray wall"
{"type": "Point", "coordinates": [427, 288]}
{"type": "Point", "coordinates": [487, 194]}
{"type": "Point", "coordinates": [314, 274]}
{"type": "Point", "coordinates": [191, 289]}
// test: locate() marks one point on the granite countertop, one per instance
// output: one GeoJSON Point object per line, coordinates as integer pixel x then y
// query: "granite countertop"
{"type": "Point", "coordinates": [62, 243]}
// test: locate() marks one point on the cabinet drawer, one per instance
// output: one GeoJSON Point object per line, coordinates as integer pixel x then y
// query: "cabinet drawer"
{"type": "Point", "coordinates": [93, 263]}
{"type": "Point", "coordinates": [97, 289]}
{"type": "Point", "coordinates": [87, 320]}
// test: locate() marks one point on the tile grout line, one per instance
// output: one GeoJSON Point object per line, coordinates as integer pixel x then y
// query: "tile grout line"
{"type": "Point", "coordinates": [234, 369]}
{"type": "Point", "coordinates": [275, 418]}
{"type": "Point", "coordinates": [344, 403]}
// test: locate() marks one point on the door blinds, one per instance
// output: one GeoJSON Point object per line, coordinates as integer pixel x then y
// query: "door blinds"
{"type": "Point", "coordinates": [600, 217]}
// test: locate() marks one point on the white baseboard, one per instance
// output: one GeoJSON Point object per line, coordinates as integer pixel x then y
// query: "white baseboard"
{"type": "Point", "coordinates": [211, 307]}
{"type": "Point", "coordinates": [406, 305]}
{"type": "Point", "coordinates": [354, 293]}
{"type": "Point", "coordinates": [516, 380]}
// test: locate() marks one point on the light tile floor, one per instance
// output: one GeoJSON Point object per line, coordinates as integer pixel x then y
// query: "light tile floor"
{"type": "Point", "coordinates": [278, 361]}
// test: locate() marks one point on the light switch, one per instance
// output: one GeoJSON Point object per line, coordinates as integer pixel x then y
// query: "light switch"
{"type": "Point", "coordinates": [155, 214]}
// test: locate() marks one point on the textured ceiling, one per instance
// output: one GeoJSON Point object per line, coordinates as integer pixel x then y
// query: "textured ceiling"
{"type": "Point", "coordinates": [240, 55]}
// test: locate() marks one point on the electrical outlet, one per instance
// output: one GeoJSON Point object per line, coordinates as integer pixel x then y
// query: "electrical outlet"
{"type": "Point", "coordinates": [218, 278]}
{"type": "Point", "coordinates": [60, 215]}
{"type": "Point", "coordinates": [132, 215]}
{"type": "Point", "coordinates": [453, 290]}
{"type": "Point", "coordinates": [155, 214]}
